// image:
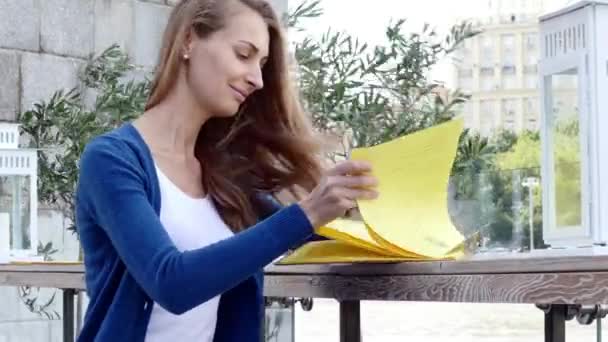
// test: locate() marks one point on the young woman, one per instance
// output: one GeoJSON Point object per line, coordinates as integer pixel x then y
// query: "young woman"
{"type": "Point", "coordinates": [174, 210]}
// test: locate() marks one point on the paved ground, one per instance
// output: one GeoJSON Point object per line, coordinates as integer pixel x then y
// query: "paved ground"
{"type": "Point", "coordinates": [435, 322]}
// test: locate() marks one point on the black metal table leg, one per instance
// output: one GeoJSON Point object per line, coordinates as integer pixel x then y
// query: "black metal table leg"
{"type": "Point", "coordinates": [555, 323]}
{"type": "Point", "coordinates": [350, 321]}
{"type": "Point", "coordinates": [68, 315]}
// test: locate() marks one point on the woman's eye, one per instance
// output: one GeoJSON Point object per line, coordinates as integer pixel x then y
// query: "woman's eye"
{"type": "Point", "coordinates": [242, 55]}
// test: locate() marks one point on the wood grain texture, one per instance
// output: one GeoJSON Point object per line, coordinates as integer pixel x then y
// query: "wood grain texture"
{"type": "Point", "coordinates": [581, 288]}
{"type": "Point", "coordinates": [61, 276]}
{"type": "Point", "coordinates": [46, 268]}
{"type": "Point", "coordinates": [570, 280]}
{"type": "Point", "coordinates": [40, 279]}
{"type": "Point", "coordinates": [498, 266]}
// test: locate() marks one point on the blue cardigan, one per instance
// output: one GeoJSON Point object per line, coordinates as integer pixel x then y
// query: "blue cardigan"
{"type": "Point", "coordinates": [130, 261]}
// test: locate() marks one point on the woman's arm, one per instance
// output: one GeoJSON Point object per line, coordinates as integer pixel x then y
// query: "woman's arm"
{"type": "Point", "coordinates": [112, 190]}
{"type": "Point", "coordinates": [269, 205]}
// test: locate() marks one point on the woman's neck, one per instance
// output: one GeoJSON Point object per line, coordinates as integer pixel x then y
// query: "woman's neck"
{"type": "Point", "coordinates": [173, 125]}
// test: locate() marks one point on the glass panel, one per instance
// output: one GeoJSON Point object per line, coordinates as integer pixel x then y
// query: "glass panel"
{"type": "Point", "coordinates": [15, 210]}
{"type": "Point", "coordinates": [279, 321]}
{"type": "Point", "coordinates": [503, 206]}
{"type": "Point", "coordinates": [566, 150]}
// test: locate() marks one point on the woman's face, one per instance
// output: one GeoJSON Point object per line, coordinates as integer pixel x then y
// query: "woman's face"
{"type": "Point", "coordinates": [224, 68]}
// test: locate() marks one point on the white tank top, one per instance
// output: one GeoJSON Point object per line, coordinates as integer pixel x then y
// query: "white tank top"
{"type": "Point", "coordinates": [191, 223]}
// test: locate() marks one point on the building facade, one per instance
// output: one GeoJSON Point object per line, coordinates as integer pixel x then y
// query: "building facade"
{"type": "Point", "coordinates": [499, 67]}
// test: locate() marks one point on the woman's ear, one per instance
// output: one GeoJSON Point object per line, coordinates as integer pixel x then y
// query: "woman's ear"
{"type": "Point", "coordinates": [188, 41]}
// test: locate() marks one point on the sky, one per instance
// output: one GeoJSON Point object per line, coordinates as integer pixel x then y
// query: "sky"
{"type": "Point", "coordinates": [367, 19]}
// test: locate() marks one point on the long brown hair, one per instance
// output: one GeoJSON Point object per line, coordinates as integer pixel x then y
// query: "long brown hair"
{"type": "Point", "coordinates": [269, 146]}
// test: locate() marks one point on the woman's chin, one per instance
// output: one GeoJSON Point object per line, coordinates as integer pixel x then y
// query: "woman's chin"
{"type": "Point", "coordinates": [227, 112]}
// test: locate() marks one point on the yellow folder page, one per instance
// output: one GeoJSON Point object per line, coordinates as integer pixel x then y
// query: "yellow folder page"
{"type": "Point", "coordinates": [350, 242]}
{"type": "Point", "coordinates": [413, 171]}
{"type": "Point", "coordinates": [336, 251]}
{"type": "Point", "coordinates": [409, 220]}
{"type": "Point", "coordinates": [352, 232]}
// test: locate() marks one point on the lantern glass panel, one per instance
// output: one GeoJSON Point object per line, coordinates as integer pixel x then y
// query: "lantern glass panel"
{"type": "Point", "coordinates": [15, 210]}
{"type": "Point", "coordinates": [565, 130]}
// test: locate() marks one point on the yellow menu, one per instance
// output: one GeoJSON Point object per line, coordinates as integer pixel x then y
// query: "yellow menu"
{"type": "Point", "coordinates": [409, 220]}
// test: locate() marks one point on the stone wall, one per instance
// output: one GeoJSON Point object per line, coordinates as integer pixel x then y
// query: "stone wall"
{"type": "Point", "coordinates": [43, 46]}
{"type": "Point", "coordinates": [43, 43]}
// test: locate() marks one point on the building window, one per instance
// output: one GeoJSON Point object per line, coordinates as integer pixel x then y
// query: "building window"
{"type": "Point", "coordinates": [509, 70]}
{"type": "Point", "coordinates": [509, 82]}
{"type": "Point", "coordinates": [465, 80]}
{"type": "Point", "coordinates": [531, 41]}
{"type": "Point", "coordinates": [487, 84]}
{"type": "Point", "coordinates": [487, 117]}
{"type": "Point", "coordinates": [465, 73]}
{"type": "Point", "coordinates": [531, 81]}
{"type": "Point", "coordinates": [464, 54]}
{"type": "Point", "coordinates": [465, 84]}
{"type": "Point", "coordinates": [531, 105]}
{"type": "Point", "coordinates": [486, 72]}
{"type": "Point", "coordinates": [509, 77]}
{"type": "Point", "coordinates": [531, 59]}
{"type": "Point", "coordinates": [531, 113]}
{"type": "Point", "coordinates": [466, 109]}
{"type": "Point", "coordinates": [487, 79]}
{"type": "Point", "coordinates": [508, 49]}
{"type": "Point", "coordinates": [531, 50]}
{"type": "Point", "coordinates": [509, 113]}
{"type": "Point", "coordinates": [532, 124]}
{"type": "Point", "coordinates": [486, 54]}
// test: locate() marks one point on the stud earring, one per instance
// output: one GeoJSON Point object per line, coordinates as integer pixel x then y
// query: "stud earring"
{"type": "Point", "coordinates": [186, 56]}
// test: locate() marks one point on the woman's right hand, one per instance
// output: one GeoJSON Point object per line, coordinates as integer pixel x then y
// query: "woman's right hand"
{"type": "Point", "coordinates": [338, 191]}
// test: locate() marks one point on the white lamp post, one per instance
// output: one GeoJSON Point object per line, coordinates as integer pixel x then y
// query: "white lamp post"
{"type": "Point", "coordinates": [574, 87]}
{"type": "Point", "coordinates": [531, 183]}
{"type": "Point", "coordinates": [18, 197]}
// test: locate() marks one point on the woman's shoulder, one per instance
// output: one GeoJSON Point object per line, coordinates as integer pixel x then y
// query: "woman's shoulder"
{"type": "Point", "coordinates": [110, 162]}
{"type": "Point", "coordinates": [122, 140]}
{"type": "Point", "coordinates": [120, 145]}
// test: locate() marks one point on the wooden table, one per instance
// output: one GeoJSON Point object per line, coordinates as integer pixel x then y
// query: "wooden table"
{"type": "Point", "coordinates": [68, 278]}
{"type": "Point", "coordinates": [558, 285]}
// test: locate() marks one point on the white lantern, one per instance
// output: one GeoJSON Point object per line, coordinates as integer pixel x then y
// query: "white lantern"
{"type": "Point", "coordinates": [18, 197]}
{"type": "Point", "coordinates": [574, 87]}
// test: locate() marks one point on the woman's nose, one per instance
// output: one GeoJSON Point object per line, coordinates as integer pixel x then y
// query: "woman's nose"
{"type": "Point", "coordinates": [256, 79]}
